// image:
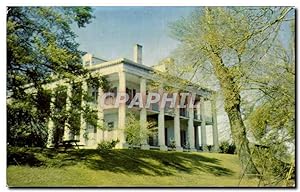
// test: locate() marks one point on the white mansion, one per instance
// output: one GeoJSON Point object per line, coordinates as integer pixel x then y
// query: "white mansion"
{"type": "Point", "coordinates": [182, 125]}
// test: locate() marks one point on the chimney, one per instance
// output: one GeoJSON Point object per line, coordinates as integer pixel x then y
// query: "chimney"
{"type": "Point", "coordinates": [137, 53]}
{"type": "Point", "coordinates": [87, 59]}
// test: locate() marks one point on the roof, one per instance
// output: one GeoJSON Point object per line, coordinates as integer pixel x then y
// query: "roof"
{"type": "Point", "coordinates": [143, 67]}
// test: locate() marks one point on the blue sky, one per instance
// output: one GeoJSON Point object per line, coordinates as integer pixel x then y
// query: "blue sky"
{"type": "Point", "coordinates": [115, 30]}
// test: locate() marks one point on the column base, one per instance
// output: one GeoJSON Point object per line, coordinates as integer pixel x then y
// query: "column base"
{"type": "Point", "coordinates": [193, 150]}
{"type": "Point", "coordinates": [145, 147]}
{"type": "Point", "coordinates": [163, 148]}
{"type": "Point", "coordinates": [179, 148]}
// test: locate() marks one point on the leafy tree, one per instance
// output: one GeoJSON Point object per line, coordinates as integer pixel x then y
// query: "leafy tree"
{"type": "Point", "coordinates": [41, 49]}
{"type": "Point", "coordinates": [229, 43]}
{"type": "Point", "coordinates": [271, 117]}
{"type": "Point", "coordinates": [135, 133]}
{"type": "Point", "coordinates": [41, 46]}
{"type": "Point", "coordinates": [26, 125]}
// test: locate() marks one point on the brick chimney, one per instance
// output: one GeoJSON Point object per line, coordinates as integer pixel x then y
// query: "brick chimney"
{"type": "Point", "coordinates": [137, 53]}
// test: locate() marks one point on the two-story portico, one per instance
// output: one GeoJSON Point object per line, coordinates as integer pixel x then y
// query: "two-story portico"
{"type": "Point", "coordinates": [183, 125]}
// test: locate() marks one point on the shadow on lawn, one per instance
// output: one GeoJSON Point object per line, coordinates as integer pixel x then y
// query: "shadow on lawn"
{"type": "Point", "coordinates": [143, 162]}
{"type": "Point", "coordinates": [23, 158]}
{"type": "Point", "coordinates": [156, 163]}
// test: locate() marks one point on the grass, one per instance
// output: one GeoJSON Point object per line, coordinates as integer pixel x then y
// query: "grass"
{"type": "Point", "coordinates": [35, 167]}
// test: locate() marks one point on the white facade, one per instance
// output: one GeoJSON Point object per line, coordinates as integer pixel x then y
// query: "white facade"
{"type": "Point", "coordinates": [185, 126]}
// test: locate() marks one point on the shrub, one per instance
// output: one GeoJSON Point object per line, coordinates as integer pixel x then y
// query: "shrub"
{"type": "Point", "coordinates": [172, 144]}
{"type": "Point", "coordinates": [209, 148]}
{"type": "Point", "coordinates": [187, 145]}
{"type": "Point", "coordinates": [107, 145]}
{"type": "Point", "coordinates": [226, 147]}
{"type": "Point", "coordinates": [135, 133]}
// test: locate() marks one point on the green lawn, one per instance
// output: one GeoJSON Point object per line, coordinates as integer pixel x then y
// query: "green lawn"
{"type": "Point", "coordinates": [33, 167]}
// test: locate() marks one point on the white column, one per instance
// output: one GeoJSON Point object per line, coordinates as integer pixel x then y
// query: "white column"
{"type": "Point", "coordinates": [177, 126]}
{"type": "Point", "coordinates": [161, 124]}
{"type": "Point", "coordinates": [51, 123]}
{"type": "Point", "coordinates": [100, 114]}
{"type": "Point", "coordinates": [214, 121]}
{"type": "Point", "coordinates": [198, 115]}
{"type": "Point", "coordinates": [203, 125]}
{"type": "Point", "coordinates": [83, 127]}
{"type": "Point", "coordinates": [122, 112]}
{"type": "Point", "coordinates": [67, 131]}
{"type": "Point", "coordinates": [191, 128]}
{"type": "Point", "coordinates": [143, 112]}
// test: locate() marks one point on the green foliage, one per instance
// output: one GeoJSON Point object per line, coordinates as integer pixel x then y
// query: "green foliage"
{"type": "Point", "coordinates": [276, 106]}
{"type": "Point", "coordinates": [232, 44]}
{"type": "Point", "coordinates": [187, 144]}
{"type": "Point", "coordinates": [71, 118]}
{"type": "Point", "coordinates": [41, 45]}
{"type": "Point", "coordinates": [27, 120]}
{"type": "Point", "coordinates": [274, 164]}
{"type": "Point", "coordinates": [106, 146]}
{"type": "Point", "coordinates": [96, 80]}
{"type": "Point", "coordinates": [41, 49]}
{"type": "Point", "coordinates": [59, 114]}
{"type": "Point", "coordinates": [227, 147]}
{"type": "Point", "coordinates": [75, 110]}
{"type": "Point", "coordinates": [209, 147]}
{"type": "Point", "coordinates": [272, 116]}
{"type": "Point", "coordinates": [172, 143]}
{"type": "Point", "coordinates": [135, 133]}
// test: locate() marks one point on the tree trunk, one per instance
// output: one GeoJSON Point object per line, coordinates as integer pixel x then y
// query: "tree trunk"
{"type": "Point", "coordinates": [238, 131]}
{"type": "Point", "coordinates": [232, 101]}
